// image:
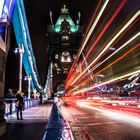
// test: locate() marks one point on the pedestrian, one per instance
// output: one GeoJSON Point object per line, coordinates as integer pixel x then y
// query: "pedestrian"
{"type": "Point", "coordinates": [19, 104]}
{"type": "Point", "coordinates": [10, 93]}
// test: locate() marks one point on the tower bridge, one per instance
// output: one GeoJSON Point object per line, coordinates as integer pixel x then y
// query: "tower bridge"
{"type": "Point", "coordinates": [90, 58]}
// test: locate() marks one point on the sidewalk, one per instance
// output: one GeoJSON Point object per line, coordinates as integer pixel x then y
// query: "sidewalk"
{"type": "Point", "coordinates": [32, 127]}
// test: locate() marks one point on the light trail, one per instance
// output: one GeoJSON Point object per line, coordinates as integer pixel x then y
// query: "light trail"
{"type": "Point", "coordinates": [91, 30]}
{"type": "Point", "coordinates": [100, 35]}
{"type": "Point", "coordinates": [129, 51]}
{"type": "Point", "coordinates": [112, 114]}
{"type": "Point", "coordinates": [109, 44]}
{"type": "Point", "coordinates": [107, 82]}
{"type": "Point", "coordinates": [94, 25]}
{"type": "Point", "coordinates": [116, 36]}
{"type": "Point", "coordinates": [124, 45]}
{"type": "Point", "coordinates": [83, 40]}
{"type": "Point", "coordinates": [106, 27]}
{"type": "Point", "coordinates": [137, 19]}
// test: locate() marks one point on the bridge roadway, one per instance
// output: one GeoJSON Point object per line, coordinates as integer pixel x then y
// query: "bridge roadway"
{"type": "Point", "coordinates": [87, 121]}
{"type": "Point", "coordinates": [43, 122]}
{"type": "Point", "coordinates": [90, 120]}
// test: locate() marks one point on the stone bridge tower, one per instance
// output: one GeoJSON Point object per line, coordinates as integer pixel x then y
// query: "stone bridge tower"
{"type": "Point", "coordinates": [64, 40]}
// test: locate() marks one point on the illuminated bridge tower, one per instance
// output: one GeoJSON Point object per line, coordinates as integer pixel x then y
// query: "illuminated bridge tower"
{"type": "Point", "coordinates": [64, 40]}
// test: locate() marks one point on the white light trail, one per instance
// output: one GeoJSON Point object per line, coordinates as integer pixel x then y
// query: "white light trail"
{"type": "Point", "coordinates": [94, 25]}
{"type": "Point", "coordinates": [124, 45]}
{"type": "Point", "coordinates": [107, 82]}
{"type": "Point", "coordinates": [109, 44]}
{"type": "Point", "coordinates": [113, 114]}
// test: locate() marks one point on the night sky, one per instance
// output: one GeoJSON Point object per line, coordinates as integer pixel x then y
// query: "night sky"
{"type": "Point", "coordinates": [37, 12]}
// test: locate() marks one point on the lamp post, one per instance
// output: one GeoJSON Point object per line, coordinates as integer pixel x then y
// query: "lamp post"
{"type": "Point", "coordinates": [51, 78]}
{"type": "Point", "coordinates": [20, 50]}
{"type": "Point", "coordinates": [29, 85]}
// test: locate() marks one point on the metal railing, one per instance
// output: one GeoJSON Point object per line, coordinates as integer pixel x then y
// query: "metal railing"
{"type": "Point", "coordinates": [10, 105]}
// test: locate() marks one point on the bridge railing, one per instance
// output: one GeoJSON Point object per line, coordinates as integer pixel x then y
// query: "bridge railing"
{"type": "Point", "coordinates": [10, 105]}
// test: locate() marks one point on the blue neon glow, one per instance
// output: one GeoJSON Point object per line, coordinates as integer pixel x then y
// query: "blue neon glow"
{"type": "Point", "coordinates": [9, 6]}
{"type": "Point", "coordinates": [6, 12]}
{"type": "Point", "coordinates": [23, 37]}
{"type": "Point", "coordinates": [57, 27]}
{"type": "Point", "coordinates": [1, 7]}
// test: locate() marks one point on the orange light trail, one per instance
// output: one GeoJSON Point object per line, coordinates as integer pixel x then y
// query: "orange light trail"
{"type": "Point", "coordinates": [102, 32]}
{"type": "Point", "coordinates": [128, 52]}
{"type": "Point", "coordinates": [108, 45]}
{"type": "Point", "coordinates": [106, 27]}
{"type": "Point", "coordinates": [86, 37]}
{"type": "Point", "coordinates": [124, 45]}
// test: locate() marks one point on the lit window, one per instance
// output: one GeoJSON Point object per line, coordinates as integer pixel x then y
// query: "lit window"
{"type": "Point", "coordinates": [65, 59]}
{"type": "Point", "coordinates": [74, 56]}
{"type": "Point", "coordinates": [56, 56]}
{"type": "Point", "coordinates": [65, 38]}
{"type": "Point", "coordinates": [56, 65]}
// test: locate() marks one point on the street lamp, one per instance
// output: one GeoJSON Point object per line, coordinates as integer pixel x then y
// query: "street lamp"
{"type": "Point", "coordinates": [51, 78]}
{"type": "Point", "coordinates": [29, 78]}
{"type": "Point", "coordinates": [20, 50]}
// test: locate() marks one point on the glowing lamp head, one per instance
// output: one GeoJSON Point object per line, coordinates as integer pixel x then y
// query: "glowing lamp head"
{"type": "Point", "coordinates": [16, 50]}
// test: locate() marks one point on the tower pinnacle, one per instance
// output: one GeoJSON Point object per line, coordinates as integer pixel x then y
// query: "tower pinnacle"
{"type": "Point", "coordinates": [64, 9]}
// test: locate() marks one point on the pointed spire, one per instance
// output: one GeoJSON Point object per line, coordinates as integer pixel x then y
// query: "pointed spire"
{"type": "Point", "coordinates": [64, 10]}
{"type": "Point", "coordinates": [78, 20]}
{"type": "Point", "coordinates": [51, 17]}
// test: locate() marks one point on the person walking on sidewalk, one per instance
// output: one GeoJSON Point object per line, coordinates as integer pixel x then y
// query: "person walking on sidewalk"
{"type": "Point", "coordinates": [19, 104]}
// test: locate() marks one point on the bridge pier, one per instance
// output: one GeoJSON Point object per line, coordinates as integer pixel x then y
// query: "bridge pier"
{"type": "Point", "coordinates": [2, 74]}
{"type": "Point", "coordinates": [4, 49]}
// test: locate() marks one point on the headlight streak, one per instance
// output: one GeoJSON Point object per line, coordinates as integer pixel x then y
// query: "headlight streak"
{"type": "Point", "coordinates": [109, 44]}
{"type": "Point", "coordinates": [117, 51]}
{"type": "Point", "coordinates": [129, 51]}
{"type": "Point", "coordinates": [107, 82]}
{"type": "Point", "coordinates": [94, 25]}
{"type": "Point", "coordinates": [90, 31]}
{"type": "Point", "coordinates": [112, 114]}
{"type": "Point", "coordinates": [95, 74]}
{"type": "Point", "coordinates": [118, 59]}
{"type": "Point", "coordinates": [106, 27]}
